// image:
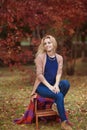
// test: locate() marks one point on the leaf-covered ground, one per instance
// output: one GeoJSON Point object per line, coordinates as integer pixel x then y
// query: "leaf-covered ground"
{"type": "Point", "coordinates": [14, 99]}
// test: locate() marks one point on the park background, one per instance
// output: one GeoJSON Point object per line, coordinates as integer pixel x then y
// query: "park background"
{"type": "Point", "coordinates": [22, 25]}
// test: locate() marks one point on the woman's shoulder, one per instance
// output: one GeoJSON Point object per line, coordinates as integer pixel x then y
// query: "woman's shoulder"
{"type": "Point", "coordinates": [40, 56]}
{"type": "Point", "coordinates": [59, 56]}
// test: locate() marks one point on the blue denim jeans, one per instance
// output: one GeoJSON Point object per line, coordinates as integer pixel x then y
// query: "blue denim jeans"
{"type": "Point", "coordinates": [64, 85]}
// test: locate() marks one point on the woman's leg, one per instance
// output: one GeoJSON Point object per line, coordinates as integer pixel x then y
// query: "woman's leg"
{"type": "Point", "coordinates": [58, 97]}
{"type": "Point", "coordinates": [64, 86]}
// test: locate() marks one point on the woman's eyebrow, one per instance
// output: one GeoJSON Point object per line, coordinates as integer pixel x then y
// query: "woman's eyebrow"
{"type": "Point", "coordinates": [47, 42]}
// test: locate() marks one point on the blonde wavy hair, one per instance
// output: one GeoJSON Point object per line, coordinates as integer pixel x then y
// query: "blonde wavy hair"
{"type": "Point", "coordinates": [41, 46]}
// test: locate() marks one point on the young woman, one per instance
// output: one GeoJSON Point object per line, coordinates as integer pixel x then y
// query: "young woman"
{"type": "Point", "coordinates": [48, 74]}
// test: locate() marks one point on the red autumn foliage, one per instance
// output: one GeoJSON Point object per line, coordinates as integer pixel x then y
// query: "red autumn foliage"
{"type": "Point", "coordinates": [18, 18]}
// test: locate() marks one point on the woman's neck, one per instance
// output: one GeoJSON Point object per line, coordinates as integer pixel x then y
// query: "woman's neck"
{"type": "Point", "coordinates": [51, 54]}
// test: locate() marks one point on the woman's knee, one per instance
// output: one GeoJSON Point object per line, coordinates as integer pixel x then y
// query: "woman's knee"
{"type": "Point", "coordinates": [59, 96]}
{"type": "Point", "coordinates": [65, 83]}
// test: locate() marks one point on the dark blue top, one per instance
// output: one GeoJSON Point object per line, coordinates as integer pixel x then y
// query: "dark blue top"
{"type": "Point", "coordinates": [51, 68]}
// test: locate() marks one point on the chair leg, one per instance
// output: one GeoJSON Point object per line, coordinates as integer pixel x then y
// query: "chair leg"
{"type": "Point", "coordinates": [37, 128]}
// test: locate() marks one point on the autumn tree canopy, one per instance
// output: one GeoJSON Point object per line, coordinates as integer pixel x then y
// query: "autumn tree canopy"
{"type": "Point", "coordinates": [18, 18]}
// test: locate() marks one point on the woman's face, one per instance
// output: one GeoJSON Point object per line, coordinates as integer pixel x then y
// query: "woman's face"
{"type": "Point", "coordinates": [48, 45]}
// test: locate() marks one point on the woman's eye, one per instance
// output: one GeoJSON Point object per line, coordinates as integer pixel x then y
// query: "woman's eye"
{"type": "Point", "coordinates": [47, 43]}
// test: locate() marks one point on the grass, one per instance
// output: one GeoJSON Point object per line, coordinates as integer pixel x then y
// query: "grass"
{"type": "Point", "coordinates": [15, 93]}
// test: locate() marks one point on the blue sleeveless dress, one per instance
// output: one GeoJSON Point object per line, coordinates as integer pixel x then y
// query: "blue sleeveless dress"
{"type": "Point", "coordinates": [50, 71]}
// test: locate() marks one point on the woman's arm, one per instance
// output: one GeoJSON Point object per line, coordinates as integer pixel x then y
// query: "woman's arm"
{"type": "Point", "coordinates": [35, 87]}
{"type": "Point", "coordinates": [40, 73]}
{"type": "Point", "coordinates": [59, 74]}
{"type": "Point", "coordinates": [58, 77]}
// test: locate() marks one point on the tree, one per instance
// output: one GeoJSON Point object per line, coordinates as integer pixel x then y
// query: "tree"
{"type": "Point", "coordinates": [20, 18]}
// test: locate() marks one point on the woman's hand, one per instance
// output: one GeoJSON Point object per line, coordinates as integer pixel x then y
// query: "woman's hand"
{"type": "Point", "coordinates": [32, 93]}
{"type": "Point", "coordinates": [33, 96]}
{"type": "Point", "coordinates": [56, 88]}
{"type": "Point", "coordinates": [53, 89]}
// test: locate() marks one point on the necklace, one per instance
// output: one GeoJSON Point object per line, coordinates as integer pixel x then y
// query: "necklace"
{"type": "Point", "coordinates": [52, 58]}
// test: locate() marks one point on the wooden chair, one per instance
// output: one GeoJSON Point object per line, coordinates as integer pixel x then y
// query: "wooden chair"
{"type": "Point", "coordinates": [42, 113]}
